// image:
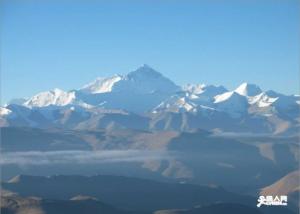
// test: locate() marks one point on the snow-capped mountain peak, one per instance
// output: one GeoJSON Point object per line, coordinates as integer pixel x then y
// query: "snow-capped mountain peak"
{"type": "Point", "coordinates": [176, 103]}
{"type": "Point", "coordinates": [248, 89]}
{"type": "Point", "coordinates": [156, 103]}
{"type": "Point", "coordinates": [145, 80]}
{"type": "Point", "coordinates": [232, 103]}
{"type": "Point", "coordinates": [263, 100]}
{"type": "Point", "coordinates": [101, 85]}
{"type": "Point", "coordinates": [4, 111]}
{"type": "Point", "coordinates": [142, 80]}
{"type": "Point", "coordinates": [56, 97]}
{"type": "Point", "coordinates": [225, 96]}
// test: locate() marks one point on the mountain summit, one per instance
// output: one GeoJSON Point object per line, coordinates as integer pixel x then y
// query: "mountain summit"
{"type": "Point", "coordinates": [101, 85]}
{"type": "Point", "coordinates": [147, 80]}
{"type": "Point", "coordinates": [144, 71]}
{"type": "Point", "coordinates": [248, 89]}
{"type": "Point", "coordinates": [142, 80]}
{"type": "Point", "coordinates": [56, 97]}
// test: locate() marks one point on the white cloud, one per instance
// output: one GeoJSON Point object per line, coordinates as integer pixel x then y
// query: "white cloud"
{"type": "Point", "coordinates": [80, 157]}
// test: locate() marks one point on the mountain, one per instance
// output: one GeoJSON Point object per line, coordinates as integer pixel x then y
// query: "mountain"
{"type": "Point", "coordinates": [191, 99]}
{"type": "Point", "coordinates": [4, 111]}
{"type": "Point", "coordinates": [232, 103]}
{"type": "Point", "coordinates": [55, 97]}
{"type": "Point", "coordinates": [208, 90]}
{"type": "Point", "coordinates": [147, 100]}
{"type": "Point", "coordinates": [116, 92]}
{"type": "Point", "coordinates": [126, 91]}
{"type": "Point", "coordinates": [288, 185]}
{"type": "Point", "coordinates": [144, 80]}
{"type": "Point", "coordinates": [180, 102]}
{"type": "Point", "coordinates": [101, 85]}
{"type": "Point", "coordinates": [248, 89]}
{"type": "Point", "coordinates": [264, 100]}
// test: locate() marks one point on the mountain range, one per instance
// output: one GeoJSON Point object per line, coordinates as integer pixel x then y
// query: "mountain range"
{"type": "Point", "coordinates": [195, 142]}
{"type": "Point", "coordinates": [145, 99]}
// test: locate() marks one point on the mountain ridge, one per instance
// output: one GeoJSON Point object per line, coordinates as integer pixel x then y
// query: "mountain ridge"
{"type": "Point", "coordinates": [149, 95]}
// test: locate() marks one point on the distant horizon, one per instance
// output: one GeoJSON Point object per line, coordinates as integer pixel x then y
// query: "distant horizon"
{"type": "Point", "coordinates": [62, 44]}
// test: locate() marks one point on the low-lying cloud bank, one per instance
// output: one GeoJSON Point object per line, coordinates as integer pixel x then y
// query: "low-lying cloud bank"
{"type": "Point", "coordinates": [80, 157]}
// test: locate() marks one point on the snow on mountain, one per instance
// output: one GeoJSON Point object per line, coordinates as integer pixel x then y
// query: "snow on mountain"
{"type": "Point", "coordinates": [146, 80]}
{"type": "Point", "coordinates": [177, 103]}
{"type": "Point", "coordinates": [263, 100]}
{"type": "Point", "coordinates": [187, 101]}
{"type": "Point", "coordinates": [145, 91]}
{"type": "Point", "coordinates": [232, 103]}
{"type": "Point", "coordinates": [277, 100]}
{"type": "Point", "coordinates": [223, 97]}
{"type": "Point", "coordinates": [138, 91]}
{"type": "Point", "coordinates": [55, 97]}
{"type": "Point", "coordinates": [143, 80]}
{"type": "Point", "coordinates": [247, 89]}
{"type": "Point", "coordinates": [202, 94]}
{"type": "Point", "coordinates": [101, 85]}
{"type": "Point", "coordinates": [207, 90]}
{"type": "Point", "coordinates": [4, 111]}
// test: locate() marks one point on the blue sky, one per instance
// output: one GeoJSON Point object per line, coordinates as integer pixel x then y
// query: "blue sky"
{"type": "Point", "coordinates": [65, 44]}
